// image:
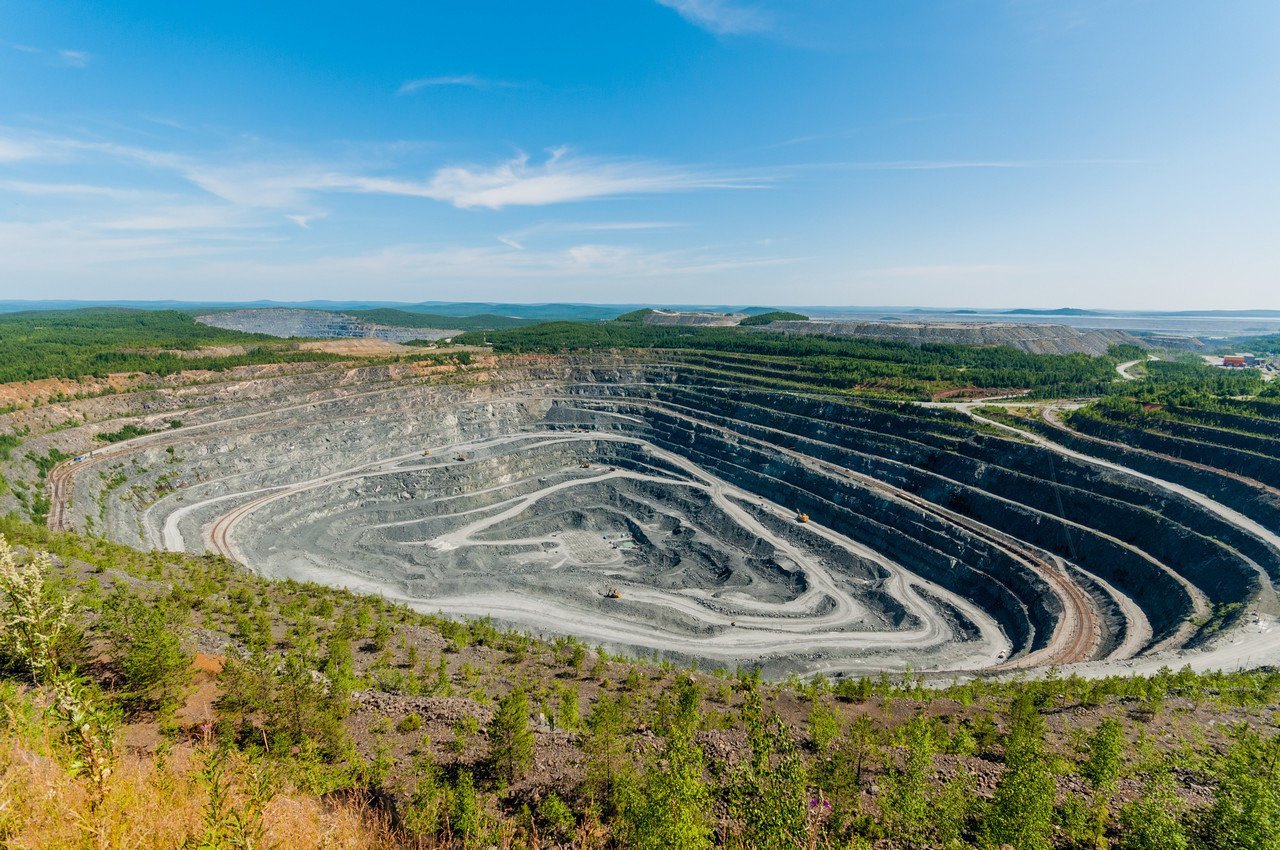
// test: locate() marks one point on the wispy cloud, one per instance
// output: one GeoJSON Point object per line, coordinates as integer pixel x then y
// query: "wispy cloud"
{"type": "Point", "coordinates": [286, 180]}
{"type": "Point", "coordinates": [464, 80]}
{"type": "Point", "coordinates": [16, 150]}
{"type": "Point", "coordinates": [518, 238]}
{"type": "Point", "coordinates": [182, 217]}
{"type": "Point", "coordinates": [723, 17]}
{"type": "Point", "coordinates": [74, 58]}
{"type": "Point", "coordinates": [960, 164]}
{"type": "Point", "coordinates": [39, 189]}
{"type": "Point", "coordinates": [560, 178]}
{"type": "Point", "coordinates": [304, 220]}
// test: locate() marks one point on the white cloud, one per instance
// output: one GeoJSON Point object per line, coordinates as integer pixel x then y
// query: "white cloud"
{"type": "Point", "coordinates": [196, 216]}
{"type": "Point", "coordinates": [518, 238]}
{"type": "Point", "coordinates": [287, 180]}
{"type": "Point", "coordinates": [38, 189]}
{"type": "Point", "coordinates": [722, 17]}
{"type": "Point", "coordinates": [182, 217]}
{"type": "Point", "coordinates": [561, 178]}
{"type": "Point", "coordinates": [304, 220]}
{"type": "Point", "coordinates": [74, 58]}
{"type": "Point", "coordinates": [464, 80]}
{"type": "Point", "coordinates": [14, 150]}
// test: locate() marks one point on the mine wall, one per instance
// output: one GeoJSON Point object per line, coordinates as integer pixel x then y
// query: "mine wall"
{"type": "Point", "coordinates": [1088, 480]}
{"type": "Point", "coordinates": [1258, 467]}
{"type": "Point", "coordinates": [1116, 527]}
{"type": "Point", "coordinates": [1257, 503]}
{"type": "Point", "coordinates": [1218, 570]}
{"type": "Point", "coordinates": [935, 550]}
{"type": "Point", "coordinates": [1165, 601]}
{"type": "Point", "coordinates": [1232, 421]}
{"type": "Point", "coordinates": [1252, 443]}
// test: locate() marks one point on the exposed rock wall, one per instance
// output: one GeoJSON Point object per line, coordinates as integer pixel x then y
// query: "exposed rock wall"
{"type": "Point", "coordinates": [288, 322]}
{"type": "Point", "coordinates": [528, 492]}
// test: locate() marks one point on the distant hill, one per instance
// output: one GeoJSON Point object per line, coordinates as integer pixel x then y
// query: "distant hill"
{"type": "Point", "coordinates": [540, 312]}
{"type": "Point", "coordinates": [391, 317]}
{"type": "Point", "coordinates": [772, 316]}
{"type": "Point", "coordinates": [1061, 311]}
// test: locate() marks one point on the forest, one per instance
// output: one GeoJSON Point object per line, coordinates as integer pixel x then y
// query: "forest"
{"type": "Point", "coordinates": [98, 341]}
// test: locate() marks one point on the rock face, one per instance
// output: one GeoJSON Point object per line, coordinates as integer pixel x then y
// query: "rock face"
{"type": "Point", "coordinates": [287, 322]}
{"type": "Point", "coordinates": [690, 319]}
{"type": "Point", "coordinates": [1035, 339]}
{"type": "Point", "coordinates": [654, 507]}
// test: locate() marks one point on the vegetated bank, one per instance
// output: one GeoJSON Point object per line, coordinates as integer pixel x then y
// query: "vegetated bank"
{"type": "Point", "coordinates": [99, 341]}
{"type": "Point", "coordinates": [160, 699]}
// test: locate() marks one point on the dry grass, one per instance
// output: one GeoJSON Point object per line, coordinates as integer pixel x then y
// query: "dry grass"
{"type": "Point", "coordinates": [151, 804]}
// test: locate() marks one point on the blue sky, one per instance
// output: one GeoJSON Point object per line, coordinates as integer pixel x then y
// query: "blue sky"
{"type": "Point", "coordinates": [1100, 153]}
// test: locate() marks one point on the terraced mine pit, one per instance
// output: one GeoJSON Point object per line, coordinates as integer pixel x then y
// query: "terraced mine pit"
{"type": "Point", "coordinates": [670, 509]}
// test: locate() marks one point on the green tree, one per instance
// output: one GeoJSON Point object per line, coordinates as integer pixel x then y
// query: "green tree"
{"type": "Point", "coordinates": [768, 793]}
{"type": "Point", "coordinates": [1246, 808]}
{"type": "Point", "coordinates": [1021, 811]}
{"type": "Point", "coordinates": [824, 725]}
{"type": "Point", "coordinates": [148, 644]}
{"type": "Point", "coordinates": [669, 808]}
{"type": "Point", "coordinates": [606, 751]}
{"type": "Point", "coordinates": [1154, 820]}
{"type": "Point", "coordinates": [915, 809]}
{"type": "Point", "coordinates": [511, 740]}
{"type": "Point", "coordinates": [1106, 756]}
{"type": "Point", "coordinates": [568, 710]}
{"type": "Point", "coordinates": [467, 818]}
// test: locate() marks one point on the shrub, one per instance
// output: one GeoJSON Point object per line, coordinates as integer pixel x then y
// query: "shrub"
{"type": "Point", "coordinates": [409, 723]}
{"type": "Point", "coordinates": [1153, 821]}
{"type": "Point", "coordinates": [557, 816]}
{"type": "Point", "coordinates": [1246, 809]}
{"type": "Point", "coordinates": [36, 627]}
{"type": "Point", "coordinates": [146, 638]}
{"type": "Point", "coordinates": [510, 738]}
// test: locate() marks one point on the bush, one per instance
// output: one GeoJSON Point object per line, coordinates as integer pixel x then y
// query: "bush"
{"type": "Point", "coordinates": [510, 738]}
{"type": "Point", "coordinates": [409, 723]}
{"type": "Point", "coordinates": [1246, 809]}
{"type": "Point", "coordinates": [1153, 821]}
{"type": "Point", "coordinates": [146, 638]}
{"type": "Point", "coordinates": [557, 816]}
{"type": "Point", "coordinates": [37, 633]}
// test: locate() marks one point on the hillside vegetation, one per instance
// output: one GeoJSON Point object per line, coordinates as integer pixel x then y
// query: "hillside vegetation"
{"type": "Point", "coordinates": [858, 365]}
{"type": "Point", "coordinates": [405, 319]}
{"type": "Point", "coordinates": [313, 717]}
{"type": "Point", "coordinates": [96, 342]}
{"type": "Point", "coordinates": [772, 316]}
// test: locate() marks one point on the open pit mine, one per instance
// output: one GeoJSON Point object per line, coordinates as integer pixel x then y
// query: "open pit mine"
{"type": "Point", "coordinates": [669, 508]}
